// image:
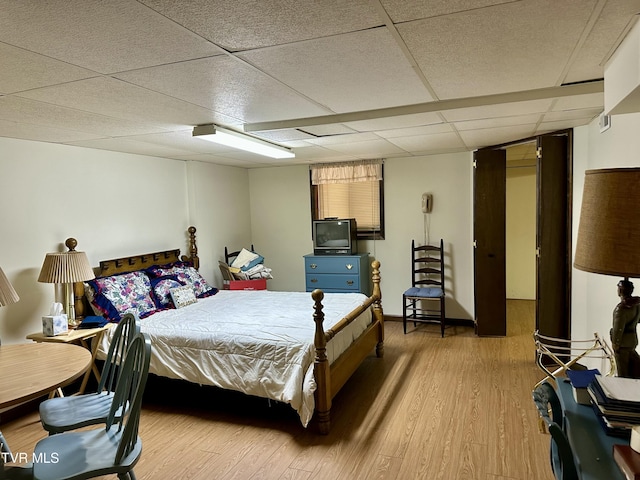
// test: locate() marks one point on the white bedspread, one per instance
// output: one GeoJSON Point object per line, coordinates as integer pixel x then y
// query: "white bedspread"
{"type": "Point", "coordinates": [256, 342]}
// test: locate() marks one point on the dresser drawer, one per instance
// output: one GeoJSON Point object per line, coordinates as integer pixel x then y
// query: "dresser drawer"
{"type": "Point", "coordinates": [332, 265]}
{"type": "Point", "coordinates": [329, 282]}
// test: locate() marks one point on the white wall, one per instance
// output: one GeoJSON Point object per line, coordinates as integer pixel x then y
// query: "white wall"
{"type": "Point", "coordinates": [281, 225]}
{"type": "Point", "coordinates": [521, 233]}
{"type": "Point", "coordinates": [595, 296]}
{"type": "Point", "coordinates": [114, 205]}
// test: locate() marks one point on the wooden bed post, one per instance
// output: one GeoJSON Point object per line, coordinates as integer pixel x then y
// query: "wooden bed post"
{"type": "Point", "coordinates": [321, 367]}
{"type": "Point", "coordinates": [193, 249]}
{"type": "Point", "coordinates": [377, 306]}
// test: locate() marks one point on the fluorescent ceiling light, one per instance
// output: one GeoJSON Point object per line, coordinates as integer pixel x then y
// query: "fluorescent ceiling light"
{"type": "Point", "coordinates": [220, 135]}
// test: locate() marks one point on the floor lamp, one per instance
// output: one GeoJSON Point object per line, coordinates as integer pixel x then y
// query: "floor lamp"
{"type": "Point", "coordinates": [609, 244]}
{"type": "Point", "coordinates": [67, 268]}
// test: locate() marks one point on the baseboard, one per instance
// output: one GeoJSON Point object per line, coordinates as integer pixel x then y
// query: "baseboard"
{"type": "Point", "coordinates": [464, 322]}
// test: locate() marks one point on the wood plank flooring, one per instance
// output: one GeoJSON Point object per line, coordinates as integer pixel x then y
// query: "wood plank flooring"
{"type": "Point", "coordinates": [457, 407]}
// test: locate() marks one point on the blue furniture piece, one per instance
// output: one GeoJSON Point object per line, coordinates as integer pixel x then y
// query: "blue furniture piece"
{"type": "Point", "coordinates": [424, 302]}
{"type": "Point", "coordinates": [69, 413]}
{"type": "Point", "coordinates": [337, 273]}
{"type": "Point", "coordinates": [592, 447]}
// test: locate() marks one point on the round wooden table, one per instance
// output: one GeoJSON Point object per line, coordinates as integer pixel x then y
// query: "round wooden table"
{"type": "Point", "coordinates": [31, 370]}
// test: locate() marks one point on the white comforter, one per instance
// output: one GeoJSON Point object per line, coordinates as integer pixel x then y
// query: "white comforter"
{"type": "Point", "coordinates": [256, 342]}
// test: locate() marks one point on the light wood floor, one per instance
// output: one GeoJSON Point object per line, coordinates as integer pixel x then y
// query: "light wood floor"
{"type": "Point", "coordinates": [432, 408]}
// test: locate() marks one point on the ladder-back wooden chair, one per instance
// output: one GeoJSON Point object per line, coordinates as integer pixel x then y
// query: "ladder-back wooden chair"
{"type": "Point", "coordinates": [424, 302]}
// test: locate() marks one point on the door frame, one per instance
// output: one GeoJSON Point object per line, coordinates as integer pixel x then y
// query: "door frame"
{"type": "Point", "coordinates": [566, 287]}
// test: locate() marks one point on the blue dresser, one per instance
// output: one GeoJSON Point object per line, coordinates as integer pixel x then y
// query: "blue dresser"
{"type": "Point", "coordinates": [337, 273]}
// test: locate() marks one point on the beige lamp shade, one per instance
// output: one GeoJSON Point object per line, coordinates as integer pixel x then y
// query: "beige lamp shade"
{"type": "Point", "coordinates": [67, 267]}
{"type": "Point", "coordinates": [7, 293]}
{"type": "Point", "coordinates": [609, 234]}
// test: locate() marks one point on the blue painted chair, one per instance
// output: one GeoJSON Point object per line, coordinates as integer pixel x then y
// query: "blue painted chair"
{"type": "Point", "coordinates": [424, 302]}
{"type": "Point", "coordinates": [112, 449]}
{"type": "Point", "coordinates": [561, 455]}
{"type": "Point", "coordinates": [70, 413]}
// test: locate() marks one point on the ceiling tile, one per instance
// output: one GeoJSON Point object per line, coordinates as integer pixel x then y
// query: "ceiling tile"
{"type": "Point", "coordinates": [600, 43]}
{"type": "Point", "coordinates": [369, 67]}
{"type": "Point", "coordinates": [227, 86]}
{"type": "Point", "coordinates": [232, 24]}
{"type": "Point", "coordinates": [119, 99]}
{"type": "Point", "coordinates": [400, 121]}
{"type": "Point", "coordinates": [34, 112]}
{"type": "Point", "coordinates": [403, 11]}
{"type": "Point", "coordinates": [496, 136]}
{"type": "Point", "coordinates": [417, 144]}
{"type": "Point", "coordinates": [104, 36]}
{"type": "Point", "coordinates": [501, 110]}
{"type": "Point", "coordinates": [498, 122]}
{"type": "Point", "coordinates": [39, 133]}
{"type": "Point", "coordinates": [22, 70]}
{"type": "Point", "coordinates": [505, 48]}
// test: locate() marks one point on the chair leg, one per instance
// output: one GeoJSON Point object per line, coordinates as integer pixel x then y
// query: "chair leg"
{"type": "Point", "coordinates": [404, 314]}
{"type": "Point", "coordinates": [442, 317]}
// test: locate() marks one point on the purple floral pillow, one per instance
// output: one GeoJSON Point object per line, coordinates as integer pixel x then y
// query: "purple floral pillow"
{"type": "Point", "coordinates": [119, 294]}
{"type": "Point", "coordinates": [161, 288]}
{"type": "Point", "coordinates": [186, 274]}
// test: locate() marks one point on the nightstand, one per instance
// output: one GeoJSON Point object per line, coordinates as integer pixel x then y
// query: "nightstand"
{"type": "Point", "coordinates": [80, 336]}
{"type": "Point", "coordinates": [337, 273]}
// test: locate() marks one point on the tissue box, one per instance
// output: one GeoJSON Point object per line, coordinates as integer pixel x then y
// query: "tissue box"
{"type": "Point", "coordinates": [53, 325]}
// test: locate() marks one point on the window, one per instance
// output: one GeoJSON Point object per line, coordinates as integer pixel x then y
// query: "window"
{"type": "Point", "coordinates": [350, 190]}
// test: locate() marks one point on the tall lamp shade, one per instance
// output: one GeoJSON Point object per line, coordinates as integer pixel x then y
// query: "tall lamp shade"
{"type": "Point", "coordinates": [609, 233]}
{"type": "Point", "coordinates": [609, 243]}
{"type": "Point", "coordinates": [7, 293]}
{"type": "Point", "coordinates": [67, 268]}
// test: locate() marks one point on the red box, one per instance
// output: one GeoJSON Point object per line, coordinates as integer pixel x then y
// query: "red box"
{"type": "Point", "coordinates": [258, 284]}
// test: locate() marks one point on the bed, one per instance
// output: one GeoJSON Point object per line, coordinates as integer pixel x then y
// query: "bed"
{"type": "Point", "coordinates": [294, 347]}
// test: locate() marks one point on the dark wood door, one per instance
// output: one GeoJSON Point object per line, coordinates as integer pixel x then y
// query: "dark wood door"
{"type": "Point", "coordinates": [489, 242]}
{"type": "Point", "coordinates": [553, 259]}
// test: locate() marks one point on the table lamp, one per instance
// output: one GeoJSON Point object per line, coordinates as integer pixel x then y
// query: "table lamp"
{"type": "Point", "coordinates": [67, 268]}
{"type": "Point", "coordinates": [7, 293]}
{"type": "Point", "coordinates": [609, 244]}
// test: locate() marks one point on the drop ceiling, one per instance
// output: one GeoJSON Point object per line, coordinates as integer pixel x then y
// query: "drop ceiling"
{"type": "Point", "coordinates": [334, 80]}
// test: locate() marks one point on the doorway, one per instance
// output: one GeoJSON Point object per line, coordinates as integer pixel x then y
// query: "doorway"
{"type": "Point", "coordinates": [553, 235]}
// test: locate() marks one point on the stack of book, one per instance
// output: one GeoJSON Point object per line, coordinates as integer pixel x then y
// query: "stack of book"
{"type": "Point", "coordinates": [616, 401]}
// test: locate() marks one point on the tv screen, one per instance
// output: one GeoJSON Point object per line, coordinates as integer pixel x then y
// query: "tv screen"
{"type": "Point", "coordinates": [334, 236]}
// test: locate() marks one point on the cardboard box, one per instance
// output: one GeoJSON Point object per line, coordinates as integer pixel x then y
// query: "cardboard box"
{"type": "Point", "coordinates": [259, 284]}
{"type": "Point", "coordinates": [53, 325]}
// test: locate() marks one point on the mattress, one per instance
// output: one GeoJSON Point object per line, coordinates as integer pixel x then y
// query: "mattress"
{"type": "Point", "coordinates": [256, 342]}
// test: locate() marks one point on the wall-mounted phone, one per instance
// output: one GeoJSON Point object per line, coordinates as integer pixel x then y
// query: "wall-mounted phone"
{"type": "Point", "coordinates": [427, 202]}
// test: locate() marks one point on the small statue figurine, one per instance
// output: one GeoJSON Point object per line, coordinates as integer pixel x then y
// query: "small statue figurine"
{"type": "Point", "coordinates": [624, 337]}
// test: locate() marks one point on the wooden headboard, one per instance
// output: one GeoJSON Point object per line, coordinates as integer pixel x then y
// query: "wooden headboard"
{"type": "Point", "coordinates": [133, 263]}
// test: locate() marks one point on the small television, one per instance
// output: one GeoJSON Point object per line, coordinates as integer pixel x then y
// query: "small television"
{"type": "Point", "coordinates": [335, 236]}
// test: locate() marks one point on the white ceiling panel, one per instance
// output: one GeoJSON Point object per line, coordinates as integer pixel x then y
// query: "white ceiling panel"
{"type": "Point", "coordinates": [498, 122]}
{"type": "Point", "coordinates": [403, 11]}
{"type": "Point", "coordinates": [238, 25]}
{"type": "Point", "coordinates": [33, 112]}
{"type": "Point", "coordinates": [496, 136]}
{"type": "Point", "coordinates": [333, 80]}
{"type": "Point", "coordinates": [39, 133]}
{"type": "Point", "coordinates": [104, 36]}
{"type": "Point", "coordinates": [399, 121]}
{"type": "Point", "coordinates": [497, 111]}
{"type": "Point", "coordinates": [227, 86]}
{"type": "Point", "coordinates": [448, 141]}
{"type": "Point", "coordinates": [119, 99]}
{"type": "Point", "coordinates": [23, 70]}
{"type": "Point", "coordinates": [369, 67]}
{"type": "Point", "coordinates": [615, 16]}
{"type": "Point", "coordinates": [506, 48]}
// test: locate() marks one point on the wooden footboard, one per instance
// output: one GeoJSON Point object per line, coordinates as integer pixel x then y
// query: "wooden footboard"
{"type": "Point", "coordinates": [331, 377]}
